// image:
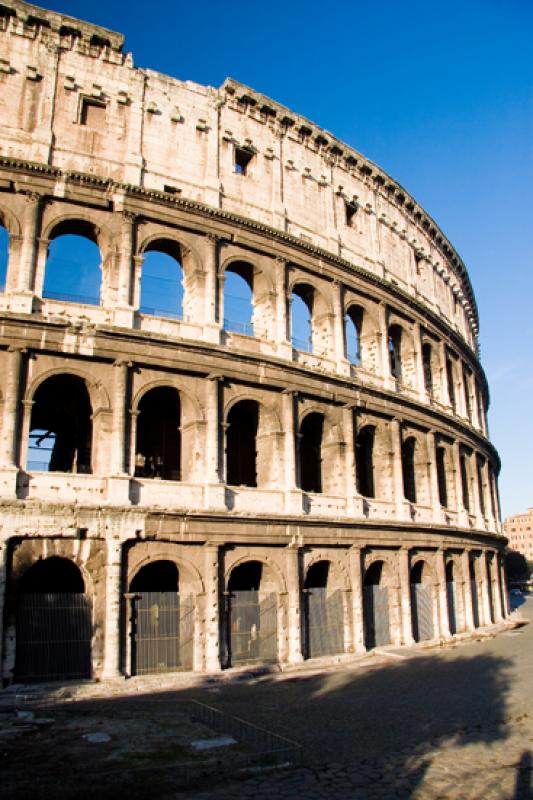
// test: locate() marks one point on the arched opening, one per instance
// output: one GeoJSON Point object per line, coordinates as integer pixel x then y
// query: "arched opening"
{"type": "Point", "coordinates": [158, 445]}
{"type": "Point", "coordinates": [451, 597]}
{"type": "Point", "coordinates": [239, 298]}
{"type": "Point", "coordinates": [324, 612]}
{"type": "Point", "coordinates": [450, 380]}
{"type": "Point", "coordinates": [427, 368]}
{"type": "Point", "coordinates": [241, 444]}
{"type": "Point", "coordinates": [364, 458]}
{"type": "Point", "coordinates": [353, 328]}
{"type": "Point", "coordinates": [480, 465]}
{"type": "Point", "coordinates": [421, 602]}
{"type": "Point", "coordinates": [73, 270]}
{"type": "Point", "coordinates": [408, 469]}
{"type": "Point", "coordinates": [395, 351]}
{"type": "Point", "coordinates": [53, 623]}
{"type": "Point", "coordinates": [252, 614]}
{"type": "Point", "coordinates": [474, 592]}
{"type": "Point", "coordinates": [162, 280]}
{"type": "Point", "coordinates": [302, 299]}
{"type": "Point", "coordinates": [441, 476]}
{"type": "Point", "coordinates": [310, 452]}
{"type": "Point", "coordinates": [376, 607]}
{"type": "Point", "coordinates": [162, 620]}
{"type": "Point", "coordinates": [467, 379]}
{"type": "Point", "coordinates": [464, 481]}
{"type": "Point", "coordinates": [490, 587]}
{"type": "Point", "coordinates": [60, 427]}
{"type": "Point", "coordinates": [4, 256]}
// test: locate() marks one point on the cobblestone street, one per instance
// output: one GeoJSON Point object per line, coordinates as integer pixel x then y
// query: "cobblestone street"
{"type": "Point", "coordinates": [454, 724]}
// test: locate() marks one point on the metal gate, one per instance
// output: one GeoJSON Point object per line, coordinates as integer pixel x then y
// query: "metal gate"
{"type": "Point", "coordinates": [490, 589]}
{"type": "Point", "coordinates": [451, 601]}
{"type": "Point", "coordinates": [253, 623]}
{"type": "Point", "coordinates": [475, 602]}
{"type": "Point", "coordinates": [162, 632]}
{"type": "Point", "coordinates": [53, 637]}
{"type": "Point", "coordinates": [376, 615]}
{"type": "Point", "coordinates": [325, 622]}
{"type": "Point", "coordinates": [422, 611]}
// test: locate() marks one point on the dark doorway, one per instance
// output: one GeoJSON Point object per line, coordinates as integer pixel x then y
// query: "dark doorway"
{"type": "Point", "coordinates": [311, 452]}
{"type": "Point", "coordinates": [53, 624]}
{"type": "Point", "coordinates": [408, 469]}
{"type": "Point", "coordinates": [241, 444]}
{"type": "Point", "coordinates": [474, 591]}
{"type": "Point", "coordinates": [324, 613]}
{"type": "Point", "coordinates": [451, 597]}
{"type": "Point", "coordinates": [162, 623]}
{"type": "Point", "coordinates": [421, 603]}
{"type": "Point", "coordinates": [252, 616]}
{"type": "Point", "coordinates": [376, 607]}
{"type": "Point", "coordinates": [158, 449]}
{"type": "Point", "coordinates": [61, 426]}
{"type": "Point", "coordinates": [364, 456]}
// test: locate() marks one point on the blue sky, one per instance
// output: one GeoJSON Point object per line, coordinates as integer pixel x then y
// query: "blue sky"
{"type": "Point", "coordinates": [439, 94]}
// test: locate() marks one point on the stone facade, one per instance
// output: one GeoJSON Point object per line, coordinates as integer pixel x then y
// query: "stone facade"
{"type": "Point", "coordinates": [311, 501]}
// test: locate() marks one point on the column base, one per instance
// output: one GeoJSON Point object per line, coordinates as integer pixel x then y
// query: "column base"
{"type": "Point", "coordinates": [21, 302]}
{"type": "Point", "coordinates": [8, 482]}
{"type": "Point", "coordinates": [215, 496]}
{"type": "Point", "coordinates": [118, 490]}
{"type": "Point", "coordinates": [293, 502]}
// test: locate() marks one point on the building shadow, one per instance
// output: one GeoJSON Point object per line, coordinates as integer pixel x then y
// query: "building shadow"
{"type": "Point", "coordinates": [523, 789]}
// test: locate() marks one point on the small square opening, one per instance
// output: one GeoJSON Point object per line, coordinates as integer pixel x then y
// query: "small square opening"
{"type": "Point", "coordinates": [92, 113]}
{"type": "Point", "coordinates": [242, 160]}
{"type": "Point", "coordinates": [351, 211]}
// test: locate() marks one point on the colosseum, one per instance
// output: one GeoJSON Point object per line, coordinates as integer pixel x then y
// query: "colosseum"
{"type": "Point", "coordinates": [243, 418]}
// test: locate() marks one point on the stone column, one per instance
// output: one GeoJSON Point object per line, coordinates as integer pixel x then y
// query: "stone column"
{"type": "Point", "coordinates": [211, 326]}
{"type": "Point", "coordinates": [462, 513]}
{"type": "Point", "coordinates": [495, 583]}
{"type": "Point", "coordinates": [352, 503]}
{"type": "Point", "coordinates": [476, 492]}
{"type": "Point", "coordinates": [292, 555]}
{"type": "Point", "coordinates": [396, 455]}
{"type": "Point", "coordinates": [467, 591]}
{"type": "Point", "coordinates": [356, 575]}
{"type": "Point", "coordinates": [283, 343]}
{"type": "Point", "coordinates": [293, 495]}
{"type": "Point", "coordinates": [485, 589]}
{"type": "Point", "coordinates": [30, 230]}
{"type": "Point", "coordinates": [405, 589]}
{"type": "Point", "coordinates": [388, 381]}
{"type": "Point", "coordinates": [213, 608]}
{"type": "Point", "coordinates": [213, 470]}
{"type": "Point", "coordinates": [10, 421]}
{"type": "Point", "coordinates": [113, 600]}
{"type": "Point", "coordinates": [504, 587]}
{"type": "Point", "coordinates": [343, 366]}
{"type": "Point", "coordinates": [444, 621]}
{"type": "Point", "coordinates": [123, 315]}
{"type": "Point", "coordinates": [118, 483]}
{"type": "Point", "coordinates": [417, 342]}
{"type": "Point", "coordinates": [434, 499]}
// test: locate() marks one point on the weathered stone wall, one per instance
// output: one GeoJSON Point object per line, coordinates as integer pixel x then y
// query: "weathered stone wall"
{"type": "Point", "coordinates": [89, 144]}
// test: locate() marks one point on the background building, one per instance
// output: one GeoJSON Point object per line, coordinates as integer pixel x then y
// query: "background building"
{"type": "Point", "coordinates": [243, 417]}
{"type": "Point", "coordinates": [519, 531]}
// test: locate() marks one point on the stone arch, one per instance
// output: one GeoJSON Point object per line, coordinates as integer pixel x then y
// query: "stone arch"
{"type": "Point", "coordinates": [321, 313]}
{"type": "Point", "coordinates": [260, 317]}
{"type": "Point", "coordinates": [74, 265]}
{"type": "Point", "coordinates": [320, 449]}
{"type": "Point", "coordinates": [64, 422]}
{"type": "Point", "coordinates": [452, 569]}
{"type": "Point", "coordinates": [162, 277]}
{"type": "Point", "coordinates": [324, 608]}
{"type": "Point", "coordinates": [166, 553]}
{"type": "Point", "coordinates": [10, 221]}
{"type": "Point", "coordinates": [340, 569]}
{"type": "Point", "coordinates": [402, 357]}
{"type": "Point", "coordinates": [422, 583]}
{"type": "Point", "coordinates": [267, 437]}
{"type": "Point", "coordinates": [270, 564]}
{"type": "Point", "coordinates": [369, 333]}
{"type": "Point", "coordinates": [190, 403]}
{"type": "Point", "coordinates": [98, 394]}
{"type": "Point", "coordinates": [53, 636]}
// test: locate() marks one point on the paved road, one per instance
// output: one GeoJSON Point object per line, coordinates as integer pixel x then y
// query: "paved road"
{"type": "Point", "coordinates": [453, 723]}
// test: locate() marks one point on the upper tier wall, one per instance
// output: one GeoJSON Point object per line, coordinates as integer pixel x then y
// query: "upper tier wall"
{"type": "Point", "coordinates": [70, 98]}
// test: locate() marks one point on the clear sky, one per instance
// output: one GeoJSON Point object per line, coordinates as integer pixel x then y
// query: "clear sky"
{"type": "Point", "coordinates": [439, 94]}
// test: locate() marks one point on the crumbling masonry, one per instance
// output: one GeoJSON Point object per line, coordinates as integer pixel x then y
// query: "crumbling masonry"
{"type": "Point", "coordinates": [185, 489]}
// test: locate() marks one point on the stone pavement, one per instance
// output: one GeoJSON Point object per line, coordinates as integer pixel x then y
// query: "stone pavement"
{"type": "Point", "coordinates": [452, 724]}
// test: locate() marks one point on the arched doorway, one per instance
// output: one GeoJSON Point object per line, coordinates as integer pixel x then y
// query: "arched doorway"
{"type": "Point", "coordinates": [252, 614]}
{"type": "Point", "coordinates": [53, 624]}
{"type": "Point", "coordinates": [451, 597]}
{"type": "Point", "coordinates": [158, 444]}
{"type": "Point", "coordinates": [421, 602]}
{"type": "Point", "coordinates": [376, 607]}
{"type": "Point", "coordinates": [162, 621]}
{"type": "Point", "coordinates": [474, 592]}
{"type": "Point", "coordinates": [324, 612]}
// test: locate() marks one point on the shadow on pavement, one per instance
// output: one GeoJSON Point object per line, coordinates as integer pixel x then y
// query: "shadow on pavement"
{"type": "Point", "coordinates": [523, 789]}
{"type": "Point", "coordinates": [378, 723]}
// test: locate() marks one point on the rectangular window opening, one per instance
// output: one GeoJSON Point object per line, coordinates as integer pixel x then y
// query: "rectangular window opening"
{"type": "Point", "coordinates": [242, 159]}
{"type": "Point", "coordinates": [92, 113]}
{"type": "Point", "coordinates": [351, 211]}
